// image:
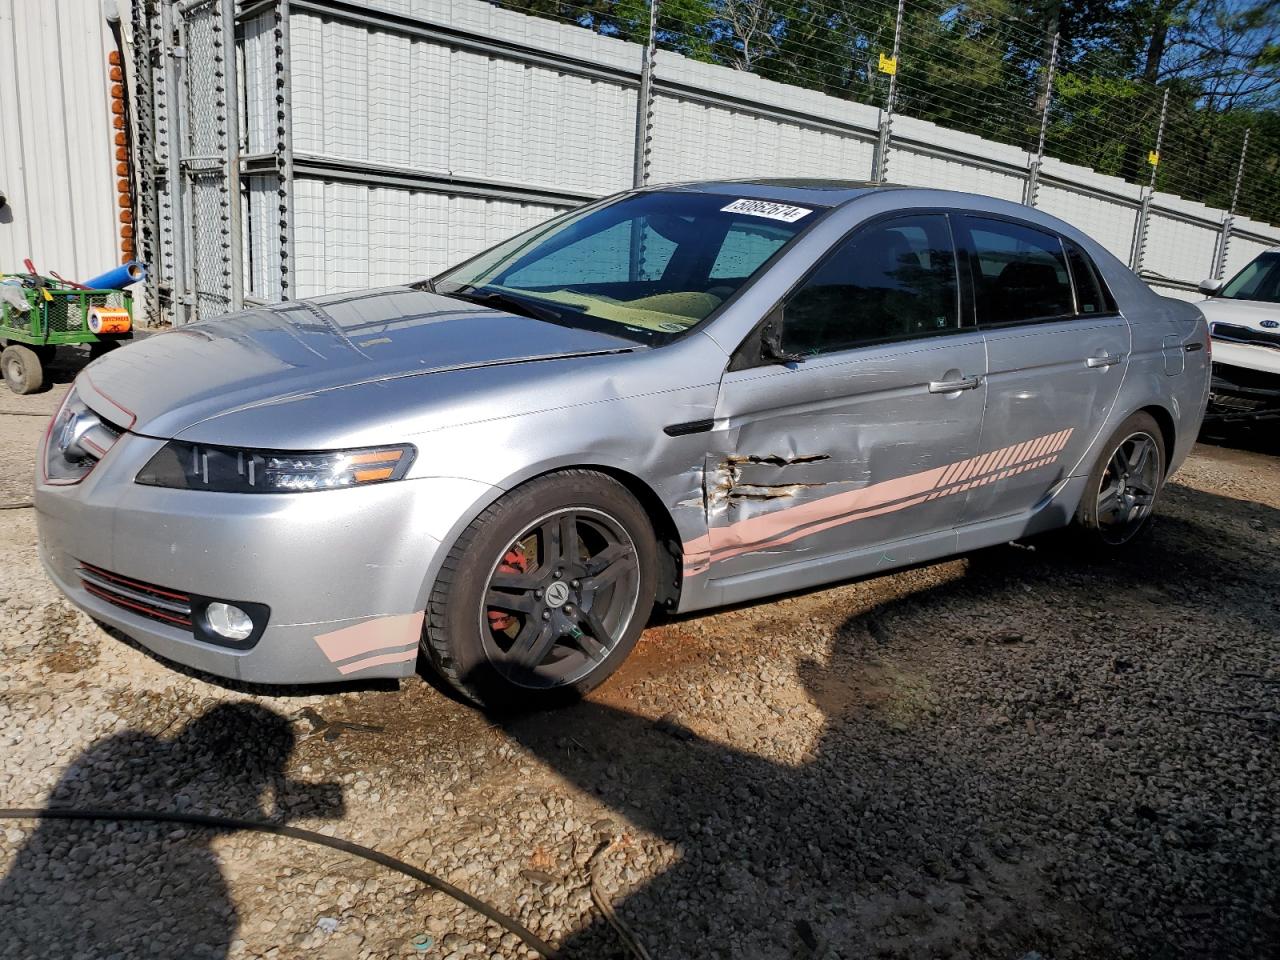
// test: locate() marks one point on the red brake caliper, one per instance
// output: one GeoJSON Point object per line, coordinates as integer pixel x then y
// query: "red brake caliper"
{"type": "Point", "coordinates": [514, 562]}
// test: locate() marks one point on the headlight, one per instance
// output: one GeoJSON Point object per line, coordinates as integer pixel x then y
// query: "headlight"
{"type": "Point", "coordinates": [76, 440]}
{"type": "Point", "coordinates": [193, 466]}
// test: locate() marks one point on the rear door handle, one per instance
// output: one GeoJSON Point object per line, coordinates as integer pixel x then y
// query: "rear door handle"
{"type": "Point", "coordinates": [952, 386]}
{"type": "Point", "coordinates": [1106, 360]}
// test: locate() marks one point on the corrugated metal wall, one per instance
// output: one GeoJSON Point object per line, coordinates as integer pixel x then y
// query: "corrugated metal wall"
{"type": "Point", "coordinates": [419, 94]}
{"type": "Point", "coordinates": [57, 156]}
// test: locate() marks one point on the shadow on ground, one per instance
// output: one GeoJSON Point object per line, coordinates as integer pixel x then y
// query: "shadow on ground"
{"type": "Point", "coordinates": [109, 889]}
{"type": "Point", "coordinates": [1045, 797]}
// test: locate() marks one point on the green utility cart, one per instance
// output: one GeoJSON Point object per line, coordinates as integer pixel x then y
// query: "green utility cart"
{"type": "Point", "coordinates": [58, 317]}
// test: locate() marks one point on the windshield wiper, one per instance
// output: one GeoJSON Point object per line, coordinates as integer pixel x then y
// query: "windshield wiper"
{"type": "Point", "coordinates": [504, 301]}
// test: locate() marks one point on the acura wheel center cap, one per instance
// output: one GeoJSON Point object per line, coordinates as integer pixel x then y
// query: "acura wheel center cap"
{"type": "Point", "coordinates": [557, 594]}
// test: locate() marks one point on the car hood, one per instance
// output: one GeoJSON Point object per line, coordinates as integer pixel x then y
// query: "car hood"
{"type": "Point", "coordinates": [1243, 313]}
{"type": "Point", "coordinates": [168, 382]}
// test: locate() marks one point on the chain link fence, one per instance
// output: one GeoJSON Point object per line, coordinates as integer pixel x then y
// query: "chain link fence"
{"type": "Point", "coordinates": [381, 140]}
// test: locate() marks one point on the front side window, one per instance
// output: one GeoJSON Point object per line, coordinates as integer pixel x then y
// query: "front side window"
{"type": "Point", "coordinates": [1260, 280]}
{"type": "Point", "coordinates": [1019, 273]}
{"type": "Point", "coordinates": [890, 281]}
{"type": "Point", "coordinates": [647, 266]}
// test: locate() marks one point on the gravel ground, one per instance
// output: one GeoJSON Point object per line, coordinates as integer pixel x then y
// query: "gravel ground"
{"type": "Point", "coordinates": [1012, 755]}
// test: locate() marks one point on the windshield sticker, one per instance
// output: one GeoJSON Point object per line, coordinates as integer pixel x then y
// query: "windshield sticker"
{"type": "Point", "coordinates": [764, 208]}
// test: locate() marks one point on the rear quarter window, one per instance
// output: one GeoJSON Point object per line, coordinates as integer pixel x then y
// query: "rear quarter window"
{"type": "Point", "coordinates": [1092, 295]}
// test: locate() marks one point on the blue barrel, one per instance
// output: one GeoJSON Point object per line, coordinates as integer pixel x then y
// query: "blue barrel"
{"type": "Point", "coordinates": [118, 278]}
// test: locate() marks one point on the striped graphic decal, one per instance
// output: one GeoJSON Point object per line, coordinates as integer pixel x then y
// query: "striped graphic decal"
{"type": "Point", "coordinates": [789, 524]}
{"type": "Point", "coordinates": [373, 643]}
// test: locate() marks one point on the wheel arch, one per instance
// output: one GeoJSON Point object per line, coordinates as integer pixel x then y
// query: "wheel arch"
{"type": "Point", "coordinates": [666, 533]}
{"type": "Point", "coordinates": [1168, 429]}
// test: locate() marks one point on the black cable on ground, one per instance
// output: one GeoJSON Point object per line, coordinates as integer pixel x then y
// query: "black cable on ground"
{"type": "Point", "coordinates": [17, 505]}
{"type": "Point", "coordinates": [26, 413]}
{"type": "Point", "coordinates": [296, 833]}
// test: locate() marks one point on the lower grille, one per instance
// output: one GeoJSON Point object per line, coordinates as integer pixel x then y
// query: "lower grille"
{"type": "Point", "coordinates": [145, 599]}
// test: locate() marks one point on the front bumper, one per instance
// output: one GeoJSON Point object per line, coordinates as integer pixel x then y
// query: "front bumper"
{"type": "Point", "coordinates": [1247, 371]}
{"type": "Point", "coordinates": [344, 572]}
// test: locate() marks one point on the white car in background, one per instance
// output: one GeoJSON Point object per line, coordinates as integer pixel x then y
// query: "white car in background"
{"type": "Point", "coordinates": [1244, 322]}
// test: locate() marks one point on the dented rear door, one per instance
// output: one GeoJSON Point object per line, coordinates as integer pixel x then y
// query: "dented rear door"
{"type": "Point", "coordinates": [843, 452]}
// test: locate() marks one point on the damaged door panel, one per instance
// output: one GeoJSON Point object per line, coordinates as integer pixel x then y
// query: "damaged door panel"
{"type": "Point", "coordinates": [840, 453]}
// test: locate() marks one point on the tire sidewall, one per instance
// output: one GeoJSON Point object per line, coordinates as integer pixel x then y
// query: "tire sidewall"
{"type": "Point", "coordinates": [1087, 515]}
{"type": "Point", "coordinates": [32, 375]}
{"type": "Point", "coordinates": [454, 644]}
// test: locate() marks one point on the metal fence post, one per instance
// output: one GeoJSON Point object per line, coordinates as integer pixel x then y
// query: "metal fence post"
{"type": "Point", "coordinates": [1033, 169]}
{"type": "Point", "coordinates": [141, 156]}
{"type": "Point", "coordinates": [1144, 212]}
{"type": "Point", "coordinates": [231, 79]}
{"type": "Point", "coordinates": [174, 56]}
{"type": "Point", "coordinates": [644, 103]}
{"type": "Point", "coordinates": [1224, 241]}
{"type": "Point", "coordinates": [880, 161]}
{"type": "Point", "coordinates": [284, 148]}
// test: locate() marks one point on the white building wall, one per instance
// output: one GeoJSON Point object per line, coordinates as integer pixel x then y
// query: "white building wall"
{"type": "Point", "coordinates": [57, 151]}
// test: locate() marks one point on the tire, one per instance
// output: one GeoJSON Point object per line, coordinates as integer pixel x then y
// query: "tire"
{"type": "Point", "coordinates": [1124, 485]}
{"type": "Point", "coordinates": [514, 623]}
{"type": "Point", "coordinates": [22, 370]}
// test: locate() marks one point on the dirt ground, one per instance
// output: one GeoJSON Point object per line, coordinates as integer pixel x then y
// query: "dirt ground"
{"type": "Point", "coordinates": [1016, 754]}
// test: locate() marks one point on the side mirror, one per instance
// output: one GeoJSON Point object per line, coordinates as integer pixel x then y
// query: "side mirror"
{"type": "Point", "coordinates": [771, 342]}
{"type": "Point", "coordinates": [1211, 287]}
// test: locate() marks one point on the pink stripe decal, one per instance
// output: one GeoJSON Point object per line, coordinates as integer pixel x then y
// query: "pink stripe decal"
{"type": "Point", "coordinates": [757, 530]}
{"type": "Point", "coordinates": [888, 496]}
{"type": "Point", "coordinates": [968, 468]}
{"type": "Point", "coordinates": [368, 662]}
{"type": "Point", "coordinates": [376, 634]}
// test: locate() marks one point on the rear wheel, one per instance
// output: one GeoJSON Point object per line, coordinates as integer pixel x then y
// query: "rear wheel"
{"type": "Point", "coordinates": [1124, 484]}
{"type": "Point", "coordinates": [545, 594]}
{"type": "Point", "coordinates": [22, 370]}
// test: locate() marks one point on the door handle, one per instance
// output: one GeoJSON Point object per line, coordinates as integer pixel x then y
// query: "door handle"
{"type": "Point", "coordinates": [1106, 360]}
{"type": "Point", "coordinates": [953, 386]}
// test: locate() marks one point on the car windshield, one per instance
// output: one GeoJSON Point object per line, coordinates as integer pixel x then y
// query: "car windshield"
{"type": "Point", "coordinates": [1260, 280]}
{"type": "Point", "coordinates": [648, 266]}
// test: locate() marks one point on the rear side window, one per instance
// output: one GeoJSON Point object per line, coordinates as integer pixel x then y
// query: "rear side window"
{"type": "Point", "coordinates": [891, 281]}
{"type": "Point", "coordinates": [1019, 273]}
{"type": "Point", "coordinates": [1092, 295]}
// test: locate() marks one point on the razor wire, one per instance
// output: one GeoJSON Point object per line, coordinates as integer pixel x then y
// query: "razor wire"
{"type": "Point", "coordinates": [970, 69]}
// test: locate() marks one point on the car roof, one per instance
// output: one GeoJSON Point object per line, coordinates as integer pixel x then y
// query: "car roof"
{"type": "Point", "coordinates": [819, 192]}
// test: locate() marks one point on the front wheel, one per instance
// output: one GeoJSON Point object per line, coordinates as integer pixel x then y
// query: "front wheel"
{"type": "Point", "coordinates": [1124, 484]}
{"type": "Point", "coordinates": [544, 594]}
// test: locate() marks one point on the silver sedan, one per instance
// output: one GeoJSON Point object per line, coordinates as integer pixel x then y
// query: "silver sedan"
{"type": "Point", "coordinates": [675, 398]}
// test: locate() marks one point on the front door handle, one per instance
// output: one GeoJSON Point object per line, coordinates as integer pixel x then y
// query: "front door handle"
{"type": "Point", "coordinates": [1106, 360]}
{"type": "Point", "coordinates": [953, 386]}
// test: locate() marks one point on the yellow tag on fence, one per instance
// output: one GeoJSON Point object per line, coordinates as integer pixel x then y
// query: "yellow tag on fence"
{"type": "Point", "coordinates": [1153, 158]}
{"type": "Point", "coordinates": [888, 65]}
